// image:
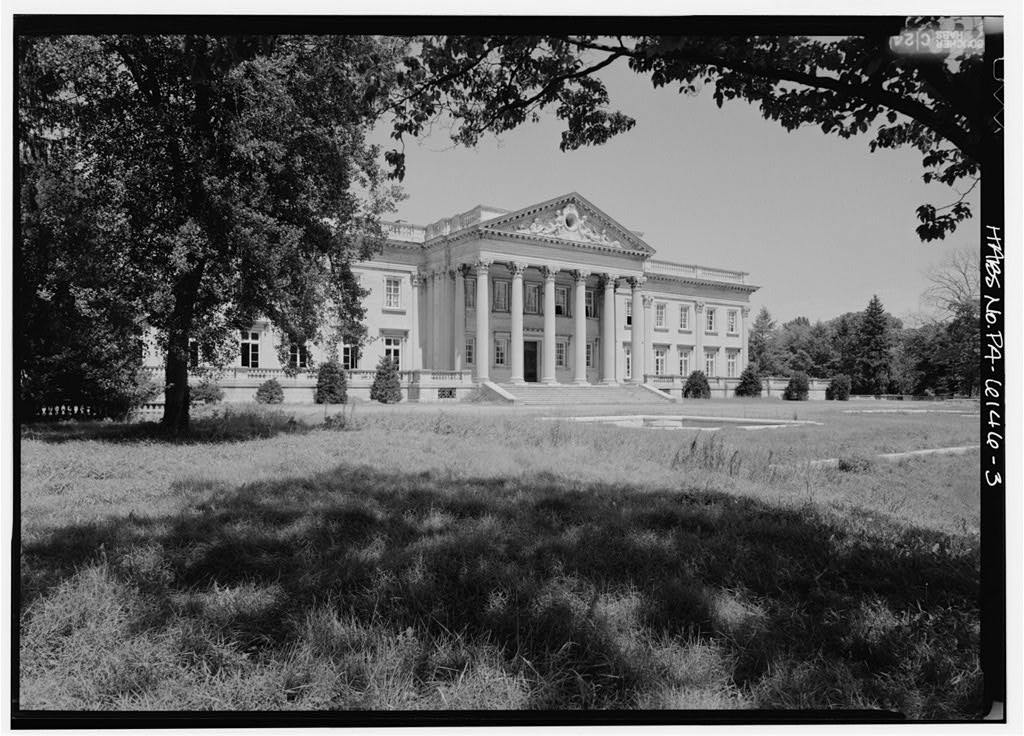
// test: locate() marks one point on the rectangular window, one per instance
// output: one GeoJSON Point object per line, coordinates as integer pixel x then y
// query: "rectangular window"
{"type": "Point", "coordinates": [501, 289]}
{"type": "Point", "coordinates": [684, 362]}
{"type": "Point", "coordinates": [732, 322]}
{"type": "Point", "coordinates": [684, 317]}
{"type": "Point", "coordinates": [392, 293]}
{"type": "Point", "coordinates": [659, 361]}
{"type": "Point", "coordinates": [500, 350]}
{"type": "Point", "coordinates": [348, 354]}
{"type": "Point", "coordinates": [710, 319]}
{"type": "Point", "coordinates": [193, 354]}
{"type": "Point", "coordinates": [562, 301]}
{"type": "Point", "coordinates": [532, 305]}
{"type": "Point", "coordinates": [629, 313]}
{"type": "Point", "coordinates": [710, 367]}
{"type": "Point", "coordinates": [560, 353]}
{"type": "Point", "coordinates": [393, 349]}
{"type": "Point", "coordinates": [250, 349]}
{"type": "Point", "coordinates": [629, 362]}
{"type": "Point", "coordinates": [590, 355]}
{"type": "Point", "coordinates": [298, 356]}
{"type": "Point", "coordinates": [590, 304]}
{"type": "Point", "coordinates": [471, 293]}
{"type": "Point", "coordinates": [470, 350]}
{"type": "Point", "coordinates": [730, 365]}
{"type": "Point", "coordinates": [659, 315]}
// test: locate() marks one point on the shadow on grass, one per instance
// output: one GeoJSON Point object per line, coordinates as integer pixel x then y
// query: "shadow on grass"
{"type": "Point", "coordinates": [583, 587]}
{"type": "Point", "coordinates": [206, 427]}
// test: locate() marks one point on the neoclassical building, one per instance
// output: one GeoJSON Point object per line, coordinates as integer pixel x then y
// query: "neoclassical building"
{"type": "Point", "coordinates": [555, 293]}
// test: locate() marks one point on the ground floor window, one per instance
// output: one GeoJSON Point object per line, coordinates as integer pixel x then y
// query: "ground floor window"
{"type": "Point", "coordinates": [730, 365]}
{"type": "Point", "coordinates": [560, 354]}
{"type": "Point", "coordinates": [500, 350]}
{"type": "Point", "coordinates": [710, 360]}
{"type": "Point", "coordinates": [348, 357]}
{"type": "Point", "coordinates": [684, 362]}
{"type": "Point", "coordinates": [659, 361]}
{"type": "Point", "coordinates": [298, 356]}
{"type": "Point", "coordinates": [590, 355]}
{"type": "Point", "coordinates": [629, 362]}
{"type": "Point", "coordinates": [250, 349]}
{"type": "Point", "coordinates": [470, 350]}
{"type": "Point", "coordinates": [393, 349]}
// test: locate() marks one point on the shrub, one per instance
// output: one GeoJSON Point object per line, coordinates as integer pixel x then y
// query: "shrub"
{"type": "Point", "coordinates": [387, 384]}
{"type": "Point", "coordinates": [206, 392]}
{"type": "Point", "coordinates": [331, 384]}
{"type": "Point", "coordinates": [750, 383]}
{"type": "Point", "coordinates": [839, 388]}
{"type": "Point", "coordinates": [697, 386]}
{"type": "Point", "coordinates": [270, 392]}
{"type": "Point", "coordinates": [798, 388]}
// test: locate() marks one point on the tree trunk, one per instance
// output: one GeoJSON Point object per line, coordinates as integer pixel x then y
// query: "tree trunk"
{"type": "Point", "coordinates": [176, 394]}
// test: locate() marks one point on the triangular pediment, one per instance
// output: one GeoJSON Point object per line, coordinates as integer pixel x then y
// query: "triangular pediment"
{"type": "Point", "coordinates": [569, 218]}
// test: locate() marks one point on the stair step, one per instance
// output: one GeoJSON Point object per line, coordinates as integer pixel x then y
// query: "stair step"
{"type": "Point", "coordinates": [548, 395]}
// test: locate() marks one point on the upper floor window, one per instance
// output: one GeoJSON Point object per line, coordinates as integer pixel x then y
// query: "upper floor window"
{"type": "Point", "coordinates": [731, 321]}
{"type": "Point", "coordinates": [501, 289]}
{"type": "Point", "coordinates": [684, 317]}
{"type": "Point", "coordinates": [590, 303]}
{"type": "Point", "coordinates": [562, 301]}
{"type": "Point", "coordinates": [471, 293]}
{"type": "Point", "coordinates": [659, 315]}
{"type": "Point", "coordinates": [629, 313]}
{"type": "Point", "coordinates": [532, 305]}
{"type": "Point", "coordinates": [250, 349]}
{"type": "Point", "coordinates": [348, 357]}
{"type": "Point", "coordinates": [392, 293]}
{"type": "Point", "coordinates": [709, 319]}
{"type": "Point", "coordinates": [298, 356]}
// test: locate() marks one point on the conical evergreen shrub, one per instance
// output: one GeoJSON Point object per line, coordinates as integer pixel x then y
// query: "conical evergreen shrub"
{"type": "Point", "coordinates": [387, 384]}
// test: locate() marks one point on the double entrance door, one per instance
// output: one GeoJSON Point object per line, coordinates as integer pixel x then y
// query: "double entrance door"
{"type": "Point", "coordinates": [531, 350]}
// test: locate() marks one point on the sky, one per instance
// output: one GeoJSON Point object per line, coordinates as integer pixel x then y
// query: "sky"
{"type": "Point", "coordinates": [819, 222]}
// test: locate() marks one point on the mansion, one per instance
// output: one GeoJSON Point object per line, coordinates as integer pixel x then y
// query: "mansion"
{"type": "Point", "coordinates": [557, 293]}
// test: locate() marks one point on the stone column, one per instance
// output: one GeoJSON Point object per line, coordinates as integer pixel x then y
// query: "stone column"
{"type": "Point", "coordinates": [698, 336]}
{"type": "Point", "coordinates": [580, 326]}
{"type": "Point", "coordinates": [483, 328]}
{"type": "Point", "coordinates": [435, 321]}
{"type": "Point", "coordinates": [637, 346]}
{"type": "Point", "coordinates": [648, 335]}
{"type": "Point", "coordinates": [415, 351]}
{"type": "Point", "coordinates": [608, 346]}
{"type": "Point", "coordinates": [460, 317]}
{"type": "Point", "coordinates": [549, 375]}
{"type": "Point", "coordinates": [517, 321]}
{"type": "Point", "coordinates": [744, 313]}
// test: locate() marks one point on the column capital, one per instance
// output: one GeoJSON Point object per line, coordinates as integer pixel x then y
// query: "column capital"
{"type": "Point", "coordinates": [745, 310]}
{"type": "Point", "coordinates": [416, 278]}
{"type": "Point", "coordinates": [482, 265]}
{"type": "Point", "coordinates": [609, 280]}
{"type": "Point", "coordinates": [699, 306]}
{"type": "Point", "coordinates": [648, 301]}
{"type": "Point", "coordinates": [548, 272]}
{"type": "Point", "coordinates": [451, 272]}
{"type": "Point", "coordinates": [636, 282]}
{"type": "Point", "coordinates": [579, 276]}
{"type": "Point", "coordinates": [517, 267]}
{"type": "Point", "coordinates": [463, 269]}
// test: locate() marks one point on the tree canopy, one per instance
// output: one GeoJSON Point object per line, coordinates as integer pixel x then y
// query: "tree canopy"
{"type": "Point", "coordinates": [215, 179]}
{"type": "Point", "coordinates": [846, 86]}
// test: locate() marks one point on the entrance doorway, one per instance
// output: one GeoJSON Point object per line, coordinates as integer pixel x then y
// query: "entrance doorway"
{"type": "Point", "coordinates": [530, 361]}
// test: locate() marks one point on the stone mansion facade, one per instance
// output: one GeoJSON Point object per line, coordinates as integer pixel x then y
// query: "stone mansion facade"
{"type": "Point", "coordinates": [554, 293]}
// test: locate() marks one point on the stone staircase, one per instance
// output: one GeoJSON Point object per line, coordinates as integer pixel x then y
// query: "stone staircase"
{"type": "Point", "coordinates": [538, 394]}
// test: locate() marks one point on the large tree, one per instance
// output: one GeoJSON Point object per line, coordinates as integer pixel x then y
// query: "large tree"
{"type": "Point", "coordinates": [846, 86]}
{"type": "Point", "coordinates": [873, 364]}
{"type": "Point", "coordinates": [237, 181]}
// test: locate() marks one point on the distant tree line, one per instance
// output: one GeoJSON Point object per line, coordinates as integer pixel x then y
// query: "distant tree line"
{"type": "Point", "coordinates": [875, 350]}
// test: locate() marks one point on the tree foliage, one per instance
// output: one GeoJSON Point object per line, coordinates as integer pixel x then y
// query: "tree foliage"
{"type": "Point", "coordinates": [387, 382]}
{"type": "Point", "coordinates": [846, 86]}
{"type": "Point", "coordinates": [696, 386]}
{"type": "Point", "coordinates": [874, 343]}
{"type": "Point", "coordinates": [798, 388]}
{"type": "Point", "coordinates": [750, 383]}
{"type": "Point", "coordinates": [838, 388]}
{"type": "Point", "coordinates": [226, 177]}
{"type": "Point", "coordinates": [331, 384]}
{"type": "Point", "coordinates": [270, 392]}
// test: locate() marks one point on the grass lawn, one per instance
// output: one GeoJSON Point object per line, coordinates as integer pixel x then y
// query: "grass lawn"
{"type": "Point", "coordinates": [478, 557]}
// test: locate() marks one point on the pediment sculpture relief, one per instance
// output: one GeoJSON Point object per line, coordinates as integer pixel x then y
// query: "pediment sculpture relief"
{"type": "Point", "coordinates": [568, 224]}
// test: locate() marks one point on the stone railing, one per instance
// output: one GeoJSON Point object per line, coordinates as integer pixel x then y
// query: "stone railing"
{"type": "Point", "coordinates": [695, 272]}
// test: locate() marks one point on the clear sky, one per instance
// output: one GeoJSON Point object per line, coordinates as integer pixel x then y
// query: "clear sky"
{"type": "Point", "coordinates": [819, 222]}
